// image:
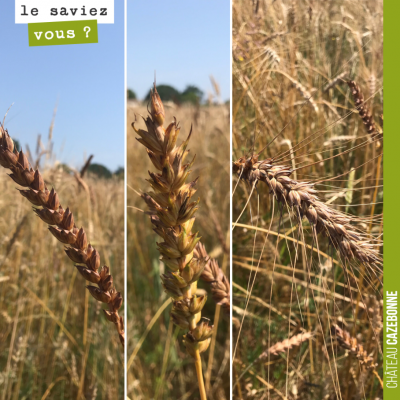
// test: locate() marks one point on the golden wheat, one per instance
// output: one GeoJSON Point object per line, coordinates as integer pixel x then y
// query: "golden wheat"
{"type": "Point", "coordinates": [172, 213]}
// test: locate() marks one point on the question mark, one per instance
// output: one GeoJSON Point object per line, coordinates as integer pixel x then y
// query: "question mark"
{"type": "Point", "coordinates": [87, 30]}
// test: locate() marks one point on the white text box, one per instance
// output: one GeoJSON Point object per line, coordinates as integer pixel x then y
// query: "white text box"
{"type": "Point", "coordinates": [29, 11]}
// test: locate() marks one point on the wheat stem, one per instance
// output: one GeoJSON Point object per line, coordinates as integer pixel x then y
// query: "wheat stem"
{"type": "Point", "coordinates": [212, 347]}
{"type": "Point", "coordinates": [144, 335]}
{"type": "Point", "coordinates": [199, 372]}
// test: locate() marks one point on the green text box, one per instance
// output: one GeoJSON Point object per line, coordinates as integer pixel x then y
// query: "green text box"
{"type": "Point", "coordinates": [62, 32]}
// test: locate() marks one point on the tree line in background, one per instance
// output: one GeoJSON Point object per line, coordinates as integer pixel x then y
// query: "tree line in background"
{"type": "Point", "coordinates": [94, 168]}
{"type": "Point", "coordinates": [191, 94]}
{"type": "Point", "coordinates": [99, 170]}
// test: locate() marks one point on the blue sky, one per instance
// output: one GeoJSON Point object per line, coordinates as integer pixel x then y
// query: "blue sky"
{"type": "Point", "coordinates": [183, 40]}
{"type": "Point", "coordinates": [87, 80]}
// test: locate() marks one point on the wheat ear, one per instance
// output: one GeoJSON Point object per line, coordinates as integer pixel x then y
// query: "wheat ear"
{"type": "Point", "coordinates": [62, 226]}
{"type": "Point", "coordinates": [351, 343]}
{"type": "Point", "coordinates": [362, 108]}
{"type": "Point", "coordinates": [286, 344]}
{"type": "Point", "coordinates": [304, 92]}
{"type": "Point", "coordinates": [213, 274]}
{"type": "Point", "coordinates": [172, 213]}
{"type": "Point", "coordinates": [302, 198]}
{"type": "Point", "coordinates": [279, 347]}
{"type": "Point", "coordinates": [335, 81]}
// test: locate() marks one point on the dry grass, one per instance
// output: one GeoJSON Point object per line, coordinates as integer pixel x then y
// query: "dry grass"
{"type": "Point", "coordinates": [55, 343]}
{"type": "Point", "coordinates": [161, 369]}
{"type": "Point", "coordinates": [303, 281]}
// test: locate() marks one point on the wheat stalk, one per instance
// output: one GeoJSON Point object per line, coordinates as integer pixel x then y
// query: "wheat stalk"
{"type": "Point", "coordinates": [62, 226]}
{"type": "Point", "coordinates": [172, 213]}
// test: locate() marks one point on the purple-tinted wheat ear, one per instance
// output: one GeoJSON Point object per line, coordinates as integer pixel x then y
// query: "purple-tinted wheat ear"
{"type": "Point", "coordinates": [362, 107]}
{"type": "Point", "coordinates": [62, 227]}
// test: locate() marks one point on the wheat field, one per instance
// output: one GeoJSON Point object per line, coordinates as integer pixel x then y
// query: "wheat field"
{"type": "Point", "coordinates": [306, 234]}
{"type": "Point", "coordinates": [307, 321]}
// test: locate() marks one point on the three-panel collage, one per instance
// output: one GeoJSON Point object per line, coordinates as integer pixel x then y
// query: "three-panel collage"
{"type": "Point", "coordinates": [191, 203]}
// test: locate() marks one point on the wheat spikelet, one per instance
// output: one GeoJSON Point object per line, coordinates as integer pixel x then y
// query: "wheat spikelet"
{"type": "Point", "coordinates": [213, 275]}
{"type": "Point", "coordinates": [350, 343]}
{"type": "Point", "coordinates": [62, 227]}
{"type": "Point", "coordinates": [302, 198]}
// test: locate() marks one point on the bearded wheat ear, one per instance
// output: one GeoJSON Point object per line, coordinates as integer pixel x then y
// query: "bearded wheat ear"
{"type": "Point", "coordinates": [62, 227]}
{"type": "Point", "coordinates": [362, 108]}
{"type": "Point", "coordinates": [213, 274]}
{"type": "Point", "coordinates": [302, 198]}
{"type": "Point", "coordinates": [350, 343]}
{"type": "Point", "coordinates": [279, 347]}
{"type": "Point", "coordinates": [172, 214]}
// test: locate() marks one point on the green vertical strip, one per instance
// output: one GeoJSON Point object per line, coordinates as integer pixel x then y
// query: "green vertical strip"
{"type": "Point", "coordinates": [391, 284]}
